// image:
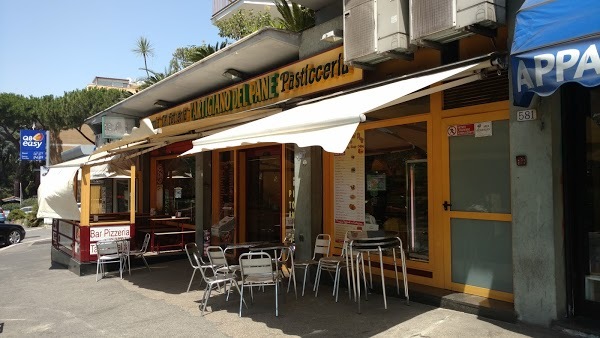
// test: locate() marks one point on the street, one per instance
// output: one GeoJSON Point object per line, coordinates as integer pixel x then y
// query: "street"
{"type": "Point", "coordinates": [40, 300]}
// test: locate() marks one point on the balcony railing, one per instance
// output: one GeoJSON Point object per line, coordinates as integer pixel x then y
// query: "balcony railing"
{"type": "Point", "coordinates": [219, 5]}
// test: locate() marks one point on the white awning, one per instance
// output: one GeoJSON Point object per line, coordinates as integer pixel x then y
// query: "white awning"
{"type": "Point", "coordinates": [330, 123]}
{"type": "Point", "coordinates": [56, 194]}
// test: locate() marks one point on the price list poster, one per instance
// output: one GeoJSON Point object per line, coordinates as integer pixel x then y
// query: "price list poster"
{"type": "Point", "coordinates": [349, 188]}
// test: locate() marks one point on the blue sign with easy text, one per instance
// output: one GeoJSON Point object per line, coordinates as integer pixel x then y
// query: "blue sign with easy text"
{"type": "Point", "coordinates": [33, 145]}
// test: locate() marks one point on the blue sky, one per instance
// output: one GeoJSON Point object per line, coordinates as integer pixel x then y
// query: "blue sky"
{"type": "Point", "coordinates": [49, 47]}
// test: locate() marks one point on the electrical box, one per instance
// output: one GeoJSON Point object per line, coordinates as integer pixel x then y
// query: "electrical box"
{"type": "Point", "coordinates": [375, 30]}
{"type": "Point", "coordinates": [444, 21]}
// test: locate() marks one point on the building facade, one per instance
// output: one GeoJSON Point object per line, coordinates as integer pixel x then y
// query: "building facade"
{"type": "Point", "coordinates": [418, 135]}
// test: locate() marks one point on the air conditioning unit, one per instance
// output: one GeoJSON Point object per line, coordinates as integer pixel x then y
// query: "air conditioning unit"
{"type": "Point", "coordinates": [442, 21]}
{"type": "Point", "coordinates": [375, 30]}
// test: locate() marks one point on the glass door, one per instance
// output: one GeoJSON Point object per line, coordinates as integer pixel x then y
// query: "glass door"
{"type": "Point", "coordinates": [262, 193]}
{"type": "Point", "coordinates": [476, 205]}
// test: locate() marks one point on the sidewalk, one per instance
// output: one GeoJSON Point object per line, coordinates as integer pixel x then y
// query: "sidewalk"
{"type": "Point", "coordinates": [310, 316]}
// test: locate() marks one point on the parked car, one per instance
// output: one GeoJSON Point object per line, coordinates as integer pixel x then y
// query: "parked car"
{"type": "Point", "coordinates": [11, 233]}
{"type": "Point", "coordinates": [27, 209]}
{"type": "Point", "coordinates": [3, 216]}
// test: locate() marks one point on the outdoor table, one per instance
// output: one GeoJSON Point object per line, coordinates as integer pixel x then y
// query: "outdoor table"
{"type": "Point", "coordinates": [376, 241]}
{"type": "Point", "coordinates": [245, 245]}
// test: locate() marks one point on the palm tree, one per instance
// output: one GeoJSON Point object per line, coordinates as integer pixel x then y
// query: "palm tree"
{"type": "Point", "coordinates": [145, 49]}
{"type": "Point", "coordinates": [294, 17]}
{"type": "Point", "coordinates": [155, 77]}
{"type": "Point", "coordinates": [205, 50]}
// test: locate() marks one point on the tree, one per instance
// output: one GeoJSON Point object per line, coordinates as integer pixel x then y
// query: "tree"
{"type": "Point", "coordinates": [144, 49]}
{"type": "Point", "coordinates": [294, 17]}
{"type": "Point", "coordinates": [46, 112]}
{"type": "Point", "coordinates": [243, 23]}
{"type": "Point", "coordinates": [155, 77]}
{"type": "Point", "coordinates": [205, 50]}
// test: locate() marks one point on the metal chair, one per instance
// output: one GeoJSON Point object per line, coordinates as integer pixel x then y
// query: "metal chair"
{"type": "Point", "coordinates": [227, 279]}
{"type": "Point", "coordinates": [108, 253]}
{"type": "Point", "coordinates": [257, 270]}
{"type": "Point", "coordinates": [335, 264]}
{"type": "Point", "coordinates": [322, 245]}
{"type": "Point", "coordinates": [378, 245]}
{"type": "Point", "coordinates": [193, 254]}
{"type": "Point", "coordinates": [286, 265]}
{"type": "Point", "coordinates": [217, 259]}
{"type": "Point", "coordinates": [139, 253]}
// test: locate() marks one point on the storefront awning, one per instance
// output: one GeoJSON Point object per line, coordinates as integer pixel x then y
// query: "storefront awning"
{"type": "Point", "coordinates": [330, 123]}
{"type": "Point", "coordinates": [555, 42]}
{"type": "Point", "coordinates": [56, 194]}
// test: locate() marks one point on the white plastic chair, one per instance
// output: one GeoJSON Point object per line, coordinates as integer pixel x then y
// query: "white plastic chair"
{"type": "Point", "coordinates": [138, 254]}
{"type": "Point", "coordinates": [108, 253]}
{"type": "Point", "coordinates": [257, 270]}
{"type": "Point", "coordinates": [322, 245]}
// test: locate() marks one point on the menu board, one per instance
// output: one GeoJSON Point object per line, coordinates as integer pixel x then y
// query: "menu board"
{"type": "Point", "coordinates": [349, 188]}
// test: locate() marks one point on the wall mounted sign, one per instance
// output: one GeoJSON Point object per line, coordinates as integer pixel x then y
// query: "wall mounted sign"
{"type": "Point", "coordinates": [349, 188]}
{"type": "Point", "coordinates": [321, 72]}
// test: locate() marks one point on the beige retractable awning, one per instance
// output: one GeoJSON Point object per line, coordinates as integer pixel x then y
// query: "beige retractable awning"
{"type": "Point", "coordinates": [330, 123]}
{"type": "Point", "coordinates": [56, 193]}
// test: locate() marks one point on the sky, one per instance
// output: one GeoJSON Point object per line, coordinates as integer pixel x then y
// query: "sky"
{"type": "Point", "coordinates": [51, 47]}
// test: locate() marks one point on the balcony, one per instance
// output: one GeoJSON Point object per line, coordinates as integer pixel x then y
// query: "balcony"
{"type": "Point", "coordinates": [223, 9]}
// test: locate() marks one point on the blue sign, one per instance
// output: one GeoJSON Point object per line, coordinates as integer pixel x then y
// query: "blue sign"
{"type": "Point", "coordinates": [33, 145]}
{"type": "Point", "coordinates": [542, 71]}
{"type": "Point", "coordinates": [555, 42]}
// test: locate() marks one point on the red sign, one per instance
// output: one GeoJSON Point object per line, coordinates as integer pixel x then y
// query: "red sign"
{"type": "Point", "coordinates": [461, 130]}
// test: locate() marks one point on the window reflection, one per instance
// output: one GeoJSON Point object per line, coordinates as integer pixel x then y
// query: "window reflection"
{"type": "Point", "coordinates": [396, 184]}
{"type": "Point", "coordinates": [175, 183]}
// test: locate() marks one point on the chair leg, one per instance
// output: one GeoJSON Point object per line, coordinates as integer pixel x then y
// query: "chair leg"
{"type": "Point", "coordinates": [304, 282]}
{"type": "Point", "coordinates": [206, 301]}
{"type": "Point", "coordinates": [241, 298]}
{"type": "Point", "coordinates": [382, 278]}
{"type": "Point", "coordinates": [145, 262]}
{"type": "Point", "coordinates": [97, 269]}
{"type": "Point", "coordinates": [362, 259]}
{"type": "Point", "coordinates": [277, 299]}
{"type": "Point", "coordinates": [191, 280]}
{"type": "Point", "coordinates": [317, 280]}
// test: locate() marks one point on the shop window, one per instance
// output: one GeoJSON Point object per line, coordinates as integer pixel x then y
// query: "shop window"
{"type": "Point", "coordinates": [175, 187]}
{"type": "Point", "coordinates": [396, 182]}
{"type": "Point", "coordinates": [223, 231]}
{"type": "Point", "coordinates": [291, 177]}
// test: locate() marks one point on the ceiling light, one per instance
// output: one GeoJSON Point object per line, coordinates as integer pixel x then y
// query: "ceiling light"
{"type": "Point", "coordinates": [333, 36]}
{"type": "Point", "coordinates": [163, 104]}
{"type": "Point", "coordinates": [233, 74]}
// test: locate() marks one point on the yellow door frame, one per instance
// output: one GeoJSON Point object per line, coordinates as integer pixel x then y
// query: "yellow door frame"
{"type": "Point", "coordinates": [446, 216]}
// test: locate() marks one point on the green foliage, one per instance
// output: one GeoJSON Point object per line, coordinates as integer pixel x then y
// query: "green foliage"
{"type": "Point", "coordinates": [243, 23]}
{"type": "Point", "coordinates": [16, 214]}
{"type": "Point", "coordinates": [294, 17]}
{"type": "Point", "coordinates": [47, 112]}
{"type": "Point", "coordinates": [10, 206]}
{"type": "Point", "coordinates": [205, 50]}
{"type": "Point", "coordinates": [29, 202]}
{"type": "Point", "coordinates": [144, 49]}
